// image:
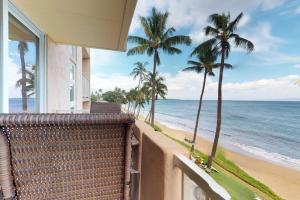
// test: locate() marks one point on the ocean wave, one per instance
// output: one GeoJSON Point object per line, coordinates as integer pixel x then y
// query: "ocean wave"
{"type": "Point", "coordinates": [271, 156]}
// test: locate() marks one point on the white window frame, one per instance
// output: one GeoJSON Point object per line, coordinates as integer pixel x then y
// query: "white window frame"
{"type": "Point", "coordinates": [73, 82]}
{"type": "Point", "coordinates": [6, 8]}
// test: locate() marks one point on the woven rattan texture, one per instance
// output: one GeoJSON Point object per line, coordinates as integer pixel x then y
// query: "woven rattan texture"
{"type": "Point", "coordinates": [105, 107]}
{"type": "Point", "coordinates": [67, 159]}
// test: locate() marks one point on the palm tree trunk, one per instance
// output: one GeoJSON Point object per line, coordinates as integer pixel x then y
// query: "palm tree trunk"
{"type": "Point", "coordinates": [198, 114]}
{"type": "Point", "coordinates": [219, 111]}
{"type": "Point", "coordinates": [23, 87]}
{"type": "Point", "coordinates": [134, 109]}
{"type": "Point", "coordinates": [153, 88]}
{"type": "Point", "coordinates": [147, 116]}
{"type": "Point", "coordinates": [128, 107]}
{"type": "Point", "coordinates": [138, 113]}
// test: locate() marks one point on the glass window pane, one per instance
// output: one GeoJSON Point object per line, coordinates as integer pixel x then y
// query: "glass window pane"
{"type": "Point", "coordinates": [191, 191]}
{"type": "Point", "coordinates": [72, 93]}
{"type": "Point", "coordinates": [22, 67]}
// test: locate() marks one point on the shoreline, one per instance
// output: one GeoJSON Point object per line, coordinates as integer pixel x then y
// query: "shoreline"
{"type": "Point", "coordinates": [285, 181]}
{"type": "Point", "coordinates": [239, 149]}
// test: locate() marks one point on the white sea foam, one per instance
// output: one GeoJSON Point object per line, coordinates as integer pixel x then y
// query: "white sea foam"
{"type": "Point", "coordinates": [271, 156]}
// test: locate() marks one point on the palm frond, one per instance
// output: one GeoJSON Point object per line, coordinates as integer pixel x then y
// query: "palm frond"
{"type": "Point", "coordinates": [211, 73]}
{"type": "Point", "coordinates": [171, 50]}
{"type": "Point", "coordinates": [138, 40]}
{"type": "Point", "coordinates": [233, 25]}
{"type": "Point", "coordinates": [219, 21]}
{"type": "Point", "coordinates": [195, 68]}
{"type": "Point", "coordinates": [178, 39]}
{"type": "Point", "coordinates": [146, 26]}
{"type": "Point", "coordinates": [204, 46]}
{"type": "Point", "coordinates": [168, 33]}
{"type": "Point", "coordinates": [244, 43]}
{"type": "Point", "coordinates": [208, 30]}
{"type": "Point", "coordinates": [192, 62]}
{"type": "Point", "coordinates": [137, 50]}
{"type": "Point", "coordinates": [226, 65]}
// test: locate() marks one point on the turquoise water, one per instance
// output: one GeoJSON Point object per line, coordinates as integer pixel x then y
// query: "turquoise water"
{"type": "Point", "coordinates": [268, 130]}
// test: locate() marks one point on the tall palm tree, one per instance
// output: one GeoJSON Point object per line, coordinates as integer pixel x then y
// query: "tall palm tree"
{"type": "Point", "coordinates": [223, 33]}
{"type": "Point", "coordinates": [131, 96]}
{"type": "Point", "coordinates": [139, 71]}
{"type": "Point", "coordinates": [30, 81]}
{"type": "Point", "coordinates": [143, 96]}
{"type": "Point", "coordinates": [160, 89]}
{"type": "Point", "coordinates": [23, 48]}
{"type": "Point", "coordinates": [205, 62]}
{"type": "Point", "coordinates": [158, 37]}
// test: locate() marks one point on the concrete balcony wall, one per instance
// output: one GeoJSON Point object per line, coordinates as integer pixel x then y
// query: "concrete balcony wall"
{"type": "Point", "coordinates": [160, 179]}
{"type": "Point", "coordinates": [163, 162]}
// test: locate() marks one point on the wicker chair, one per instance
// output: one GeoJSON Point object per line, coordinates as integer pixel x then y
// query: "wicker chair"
{"type": "Point", "coordinates": [65, 156]}
{"type": "Point", "coordinates": [105, 107]}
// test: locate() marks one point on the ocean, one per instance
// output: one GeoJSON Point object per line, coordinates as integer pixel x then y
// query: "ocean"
{"type": "Point", "coordinates": [267, 130]}
{"type": "Point", "coordinates": [15, 105]}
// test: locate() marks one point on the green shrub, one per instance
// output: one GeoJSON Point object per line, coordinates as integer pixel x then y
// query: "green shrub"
{"type": "Point", "coordinates": [157, 128]}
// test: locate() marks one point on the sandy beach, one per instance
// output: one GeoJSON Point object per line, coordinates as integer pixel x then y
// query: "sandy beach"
{"type": "Point", "coordinates": [282, 180]}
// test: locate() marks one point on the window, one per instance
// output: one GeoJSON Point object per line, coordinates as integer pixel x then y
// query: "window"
{"type": "Point", "coordinates": [72, 86]}
{"type": "Point", "coordinates": [22, 55]}
{"type": "Point", "coordinates": [73, 52]}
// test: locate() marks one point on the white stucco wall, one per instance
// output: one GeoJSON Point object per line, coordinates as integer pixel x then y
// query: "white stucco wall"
{"type": "Point", "coordinates": [58, 63]}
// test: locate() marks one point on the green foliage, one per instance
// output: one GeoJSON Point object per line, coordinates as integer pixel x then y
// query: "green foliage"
{"type": "Point", "coordinates": [139, 71]}
{"type": "Point", "coordinates": [96, 96]}
{"type": "Point", "coordinates": [236, 190]}
{"type": "Point", "coordinates": [230, 184]}
{"type": "Point", "coordinates": [158, 36]}
{"type": "Point", "coordinates": [116, 96]}
{"type": "Point", "coordinates": [161, 88]}
{"type": "Point", "coordinates": [157, 128]}
{"type": "Point", "coordinates": [228, 165]}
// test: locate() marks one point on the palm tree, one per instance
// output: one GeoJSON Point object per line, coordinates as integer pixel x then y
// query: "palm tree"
{"type": "Point", "coordinates": [29, 81]}
{"type": "Point", "coordinates": [143, 96]}
{"type": "Point", "coordinates": [139, 71]}
{"type": "Point", "coordinates": [131, 96]}
{"type": "Point", "coordinates": [223, 32]}
{"type": "Point", "coordinates": [23, 48]}
{"type": "Point", "coordinates": [158, 37]}
{"type": "Point", "coordinates": [206, 62]}
{"type": "Point", "coordinates": [160, 88]}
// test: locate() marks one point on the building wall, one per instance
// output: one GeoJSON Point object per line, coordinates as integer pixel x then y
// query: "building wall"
{"type": "Point", "coordinates": [58, 80]}
{"type": "Point", "coordinates": [86, 72]}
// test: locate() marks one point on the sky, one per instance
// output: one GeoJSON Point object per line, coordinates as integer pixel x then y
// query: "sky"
{"type": "Point", "coordinates": [268, 73]}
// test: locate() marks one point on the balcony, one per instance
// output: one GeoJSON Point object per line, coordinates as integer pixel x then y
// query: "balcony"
{"type": "Point", "coordinates": [85, 89]}
{"type": "Point", "coordinates": [166, 171]}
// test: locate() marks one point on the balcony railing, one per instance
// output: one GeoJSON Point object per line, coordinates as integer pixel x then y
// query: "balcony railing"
{"type": "Point", "coordinates": [196, 183]}
{"type": "Point", "coordinates": [85, 88]}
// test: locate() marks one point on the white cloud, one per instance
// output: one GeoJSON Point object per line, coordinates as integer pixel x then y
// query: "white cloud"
{"type": "Point", "coordinates": [278, 58]}
{"type": "Point", "coordinates": [297, 66]}
{"type": "Point", "coordinates": [262, 38]}
{"type": "Point", "coordinates": [109, 82]}
{"type": "Point", "coordinates": [194, 12]}
{"type": "Point", "coordinates": [187, 85]}
{"type": "Point", "coordinates": [297, 11]}
{"type": "Point", "coordinates": [14, 70]}
{"type": "Point", "coordinates": [101, 58]}
{"type": "Point", "coordinates": [270, 4]}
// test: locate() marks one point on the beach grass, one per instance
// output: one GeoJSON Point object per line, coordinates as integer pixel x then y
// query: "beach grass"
{"type": "Point", "coordinates": [234, 187]}
{"type": "Point", "coordinates": [236, 190]}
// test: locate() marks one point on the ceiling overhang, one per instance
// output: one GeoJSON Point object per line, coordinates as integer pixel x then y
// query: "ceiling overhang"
{"type": "Point", "coordinates": [100, 24]}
